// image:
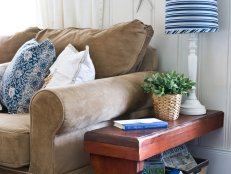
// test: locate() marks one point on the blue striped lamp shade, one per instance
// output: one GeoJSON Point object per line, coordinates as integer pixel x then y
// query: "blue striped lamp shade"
{"type": "Point", "coordinates": [191, 16]}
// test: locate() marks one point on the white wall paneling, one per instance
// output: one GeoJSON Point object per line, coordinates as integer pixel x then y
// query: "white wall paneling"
{"type": "Point", "coordinates": [145, 12]}
{"type": "Point", "coordinates": [219, 160]}
{"type": "Point", "coordinates": [213, 73]}
{"type": "Point", "coordinates": [106, 14]}
{"type": "Point", "coordinates": [228, 110]}
{"type": "Point", "coordinates": [121, 11]}
{"type": "Point", "coordinates": [166, 45]}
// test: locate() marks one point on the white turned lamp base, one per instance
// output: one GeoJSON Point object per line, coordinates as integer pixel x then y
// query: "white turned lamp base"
{"type": "Point", "coordinates": [192, 106]}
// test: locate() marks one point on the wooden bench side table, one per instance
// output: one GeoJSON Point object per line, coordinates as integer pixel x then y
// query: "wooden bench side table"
{"type": "Point", "coordinates": [115, 151]}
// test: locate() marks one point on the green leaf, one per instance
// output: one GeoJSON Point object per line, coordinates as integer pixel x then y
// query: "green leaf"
{"type": "Point", "coordinates": [167, 83]}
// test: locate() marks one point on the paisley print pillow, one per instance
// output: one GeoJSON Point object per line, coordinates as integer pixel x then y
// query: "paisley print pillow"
{"type": "Point", "coordinates": [25, 74]}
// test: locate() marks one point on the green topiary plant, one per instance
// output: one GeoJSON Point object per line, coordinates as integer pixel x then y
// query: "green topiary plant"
{"type": "Point", "coordinates": [167, 83]}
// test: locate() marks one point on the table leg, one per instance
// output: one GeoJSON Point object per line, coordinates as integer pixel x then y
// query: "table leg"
{"type": "Point", "coordinates": [104, 164]}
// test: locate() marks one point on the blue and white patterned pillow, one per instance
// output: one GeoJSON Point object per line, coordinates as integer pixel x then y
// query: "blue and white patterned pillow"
{"type": "Point", "coordinates": [25, 74]}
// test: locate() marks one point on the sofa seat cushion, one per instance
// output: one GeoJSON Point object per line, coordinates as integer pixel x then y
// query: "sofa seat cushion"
{"type": "Point", "coordinates": [14, 140]}
{"type": "Point", "coordinates": [114, 51]}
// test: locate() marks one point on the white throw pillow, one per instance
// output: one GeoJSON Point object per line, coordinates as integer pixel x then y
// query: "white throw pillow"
{"type": "Point", "coordinates": [3, 67]}
{"type": "Point", "coordinates": [71, 67]}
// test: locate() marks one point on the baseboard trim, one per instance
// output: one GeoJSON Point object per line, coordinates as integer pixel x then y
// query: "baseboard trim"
{"type": "Point", "coordinates": [219, 160]}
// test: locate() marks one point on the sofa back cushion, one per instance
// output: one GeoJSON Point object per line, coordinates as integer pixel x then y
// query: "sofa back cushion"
{"type": "Point", "coordinates": [114, 51]}
{"type": "Point", "coordinates": [10, 44]}
{"type": "Point", "coordinates": [150, 60]}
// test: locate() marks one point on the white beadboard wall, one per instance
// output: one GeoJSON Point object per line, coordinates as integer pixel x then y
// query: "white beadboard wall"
{"type": "Point", "coordinates": [214, 72]}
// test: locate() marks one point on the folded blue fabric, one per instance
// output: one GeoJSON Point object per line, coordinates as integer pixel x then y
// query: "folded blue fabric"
{"type": "Point", "coordinates": [25, 74]}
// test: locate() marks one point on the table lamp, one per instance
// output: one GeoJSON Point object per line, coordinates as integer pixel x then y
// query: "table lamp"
{"type": "Point", "coordinates": [191, 17]}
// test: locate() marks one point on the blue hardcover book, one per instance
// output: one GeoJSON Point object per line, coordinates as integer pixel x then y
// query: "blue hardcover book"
{"type": "Point", "coordinates": [153, 168]}
{"type": "Point", "coordinates": [154, 165]}
{"type": "Point", "coordinates": [135, 124]}
{"type": "Point", "coordinates": [173, 171]}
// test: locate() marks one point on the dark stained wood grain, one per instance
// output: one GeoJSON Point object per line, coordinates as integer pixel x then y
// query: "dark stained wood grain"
{"type": "Point", "coordinates": [138, 145]}
{"type": "Point", "coordinates": [106, 165]}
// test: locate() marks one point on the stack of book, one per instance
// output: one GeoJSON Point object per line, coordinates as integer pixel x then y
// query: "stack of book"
{"type": "Point", "coordinates": [135, 124]}
{"type": "Point", "coordinates": [173, 161]}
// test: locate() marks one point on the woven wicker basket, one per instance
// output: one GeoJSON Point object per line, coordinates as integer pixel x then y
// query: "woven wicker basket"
{"type": "Point", "coordinates": [167, 107]}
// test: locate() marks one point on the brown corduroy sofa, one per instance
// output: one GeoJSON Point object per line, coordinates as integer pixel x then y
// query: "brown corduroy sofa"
{"type": "Point", "coordinates": [49, 139]}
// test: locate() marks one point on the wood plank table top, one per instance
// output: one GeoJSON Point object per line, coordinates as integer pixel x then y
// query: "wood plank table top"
{"type": "Point", "coordinates": [141, 144]}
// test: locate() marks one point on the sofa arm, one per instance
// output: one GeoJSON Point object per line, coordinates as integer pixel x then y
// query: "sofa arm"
{"type": "Point", "coordinates": [76, 107]}
{"type": "Point", "coordinates": [57, 112]}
